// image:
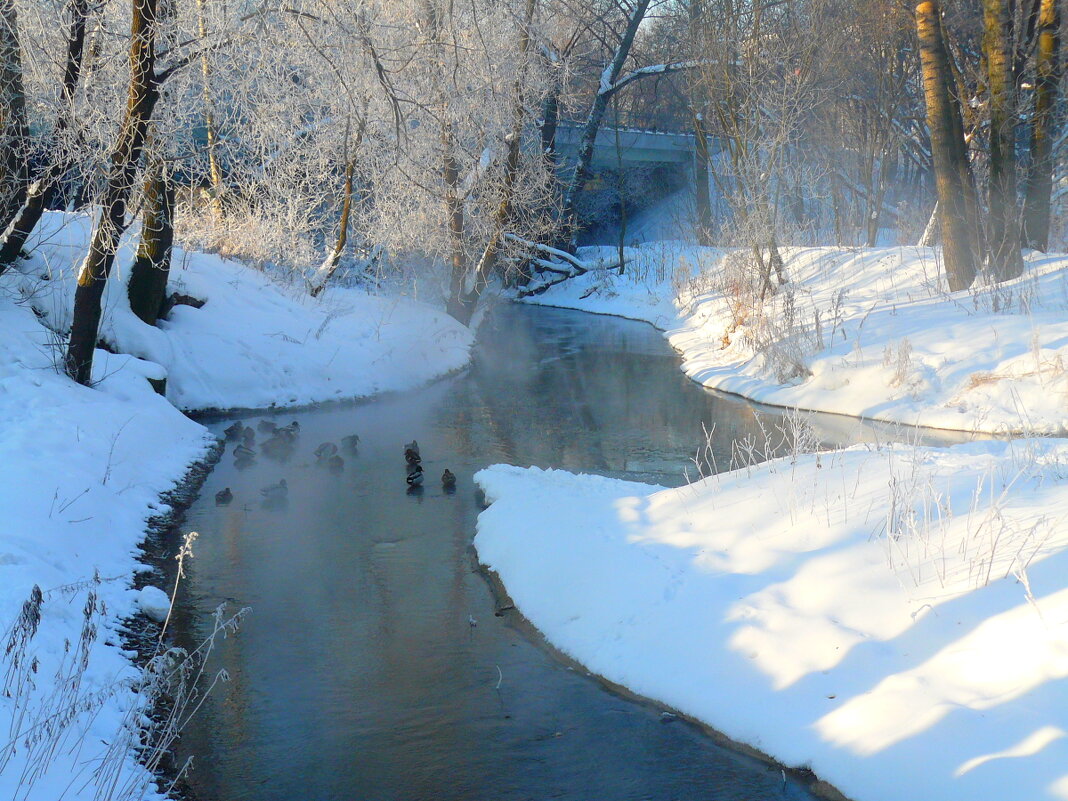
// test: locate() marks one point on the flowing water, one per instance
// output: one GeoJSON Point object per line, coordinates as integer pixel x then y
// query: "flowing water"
{"type": "Point", "coordinates": [358, 675]}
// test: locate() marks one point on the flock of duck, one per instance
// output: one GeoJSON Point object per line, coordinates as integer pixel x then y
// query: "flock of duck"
{"type": "Point", "coordinates": [415, 468]}
{"type": "Point", "coordinates": [281, 443]}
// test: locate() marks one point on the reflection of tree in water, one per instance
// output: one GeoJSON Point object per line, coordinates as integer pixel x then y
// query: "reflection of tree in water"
{"type": "Point", "coordinates": [606, 396]}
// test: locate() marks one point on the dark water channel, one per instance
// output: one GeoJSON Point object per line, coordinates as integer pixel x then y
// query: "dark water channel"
{"type": "Point", "coordinates": [358, 675]}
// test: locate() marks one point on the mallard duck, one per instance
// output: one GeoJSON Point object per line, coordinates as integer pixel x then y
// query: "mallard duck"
{"type": "Point", "coordinates": [448, 480]}
{"type": "Point", "coordinates": [244, 452]}
{"type": "Point", "coordinates": [415, 475]}
{"type": "Point", "coordinates": [277, 449]}
{"type": "Point", "coordinates": [335, 463]}
{"type": "Point", "coordinates": [411, 453]}
{"type": "Point", "coordinates": [352, 441]}
{"type": "Point", "coordinates": [223, 497]}
{"type": "Point", "coordinates": [293, 428]}
{"type": "Point", "coordinates": [279, 490]}
{"type": "Point", "coordinates": [248, 436]}
{"type": "Point", "coordinates": [267, 426]}
{"type": "Point", "coordinates": [243, 462]}
{"type": "Point", "coordinates": [234, 431]}
{"type": "Point", "coordinates": [326, 450]}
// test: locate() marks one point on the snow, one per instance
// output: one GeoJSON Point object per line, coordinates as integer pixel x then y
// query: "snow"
{"type": "Point", "coordinates": [910, 643]}
{"type": "Point", "coordinates": [872, 333]}
{"type": "Point", "coordinates": [155, 603]}
{"type": "Point", "coordinates": [82, 469]}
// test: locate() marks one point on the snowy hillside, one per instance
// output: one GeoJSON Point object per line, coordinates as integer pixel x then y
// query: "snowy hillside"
{"type": "Point", "coordinates": [252, 344]}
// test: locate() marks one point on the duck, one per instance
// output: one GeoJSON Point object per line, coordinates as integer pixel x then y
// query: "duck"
{"type": "Point", "coordinates": [293, 428]}
{"type": "Point", "coordinates": [234, 431]}
{"type": "Point", "coordinates": [244, 452]}
{"type": "Point", "coordinates": [267, 426]}
{"type": "Point", "coordinates": [243, 462]}
{"type": "Point", "coordinates": [326, 450]}
{"type": "Point", "coordinates": [352, 441]}
{"type": "Point", "coordinates": [279, 490]}
{"type": "Point", "coordinates": [335, 463]}
{"type": "Point", "coordinates": [248, 436]}
{"type": "Point", "coordinates": [223, 497]}
{"type": "Point", "coordinates": [415, 475]}
{"type": "Point", "coordinates": [448, 479]}
{"type": "Point", "coordinates": [411, 453]}
{"type": "Point", "coordinates": [279, 446]}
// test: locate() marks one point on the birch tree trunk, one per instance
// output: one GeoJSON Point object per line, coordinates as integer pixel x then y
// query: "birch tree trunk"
{"type": "Point", "coordinates": [1049, 68]}
{"type": "Point", "coordinates": [960, 234]}
{"type": "Point", "coordinates": [126, 153]}
{"type": "Point", "coordinates": [1005, 258]}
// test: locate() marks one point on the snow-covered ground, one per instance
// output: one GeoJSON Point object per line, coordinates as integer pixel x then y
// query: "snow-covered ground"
{"type": "Point", "coordinates": [253, 344]}
{"type": "Point", "coordinates": [866, 332]}
{"type": "Point", "coordinates": [895, 618]}
{"type": "Point", "coordinates": [82, 469]}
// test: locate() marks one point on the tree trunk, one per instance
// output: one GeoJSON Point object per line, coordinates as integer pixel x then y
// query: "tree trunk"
{"type": "Point", "coordinates": [960, 235]}
{"type": "Point", "coordinates": [701, 180]}
{"type": "Point", "coordinates": [836, 203]}
{"type": "Point", "coordinates": [1005, 258]}
{"type": "Point", "coordinates": [214, 170]}
{"type": "Point", "coordinates": [929, 235]}
{"type": "Point", "coordinates": [41, 191]}
{"type": "Point", "coordinates": [550, 121]}
{"type": "Point", "coordinates": [14, 134]}
{"type": "Point", "coordinates": [454, 214]}
{"type": "Point", "coordinates": [125, 155]}
{"type": "Point", "coordinates": [1049, 68]}
{"type": "Point", "coordinates": [593, 124]}
{"type": "Point", "coordinates": [147, 288]}
{"type": "Point", "coordinates": [329, 267]}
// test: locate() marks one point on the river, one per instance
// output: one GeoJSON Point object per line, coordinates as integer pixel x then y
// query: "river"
{"type": "Point", "coordinates": [373, 665]}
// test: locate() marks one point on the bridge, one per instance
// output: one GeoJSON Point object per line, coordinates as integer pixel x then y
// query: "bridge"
{"type": "Point", "coordinates": [629, 145]}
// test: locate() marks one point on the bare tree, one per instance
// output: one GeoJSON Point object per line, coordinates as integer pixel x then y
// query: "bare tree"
{"type": "Point", "coordinates": [43, 188]}
{"type": "Point", "coordinates": [605, 89]}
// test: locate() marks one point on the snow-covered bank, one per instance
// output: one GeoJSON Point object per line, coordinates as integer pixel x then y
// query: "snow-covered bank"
{"type": "Point", "coordinates": [82, 470]}
{"type": "Point", "coordinates": [252, 344]}
{"type": "Point", "coordinates": [910, 643]}
{"type": "Point", "coordinates": [865, 332]}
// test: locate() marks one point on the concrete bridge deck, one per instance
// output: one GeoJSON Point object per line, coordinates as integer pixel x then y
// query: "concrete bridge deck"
{"type": "Point", "coordinates": [629, 145]}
